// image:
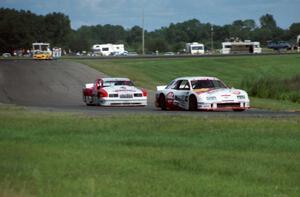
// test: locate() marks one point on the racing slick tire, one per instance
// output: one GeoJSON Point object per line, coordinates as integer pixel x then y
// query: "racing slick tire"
{"type": "Point", "coordinates": [162, 102]}
{"type": "Point", "coordinates": [193, 104]}
{"type": "Point", "coordinates": [91, 102]}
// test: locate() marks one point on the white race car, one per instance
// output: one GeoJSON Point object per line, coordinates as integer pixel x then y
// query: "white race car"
{"type": "Point", "coordinates": [114, 92]}
{"type": "Point", "coordinates": [203, 93]}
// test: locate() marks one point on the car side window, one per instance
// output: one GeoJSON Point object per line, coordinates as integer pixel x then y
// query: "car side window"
{"type": "Point", "coordinates": [183, 85]}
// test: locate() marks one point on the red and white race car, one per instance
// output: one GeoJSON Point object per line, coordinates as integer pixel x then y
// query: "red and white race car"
{"type": "Point", "coordinates": [114, 92]}
{"type": "Point", "coordinates": [203, 93]}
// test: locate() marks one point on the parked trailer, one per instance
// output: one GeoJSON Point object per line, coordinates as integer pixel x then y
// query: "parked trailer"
{"type": "Point", "coordinates": [195, 48]}
{"type": "Point", "coordinates": [241, 47]}
{"type": "Point", "coordinates": [108, 49]}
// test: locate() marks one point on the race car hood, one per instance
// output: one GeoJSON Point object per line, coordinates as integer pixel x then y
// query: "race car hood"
{"type": "Point", "coordinates": [221, 94]}
{"type": "Point", "coordinates": [122, 89]}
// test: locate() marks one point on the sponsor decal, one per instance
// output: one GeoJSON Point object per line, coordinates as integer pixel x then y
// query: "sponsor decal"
{"type": "Point", "coordinates": [170, 96]}
{"type": "Point", "coordinates": [124, 90]}
{"type": "Point", "coordinates": [126, 96]}
{"type": "Point", "coordinates": [226, 95]}
{"type": "Point", "coordinates": [202, 90]}
{"type": "Point", "coordinates": [236, 92]}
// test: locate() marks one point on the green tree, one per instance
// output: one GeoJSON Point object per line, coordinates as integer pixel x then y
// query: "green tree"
{"type": "Point", "coordinates": [294, 31]}
{"type": "Point", "coordinates": [268, 22]}
{"type": "Point", "coordinates": [57, 28]}
{"type": "Point", "coordinates": [269, 29]}
{"type": "Point", "coordinates": [157, 44]}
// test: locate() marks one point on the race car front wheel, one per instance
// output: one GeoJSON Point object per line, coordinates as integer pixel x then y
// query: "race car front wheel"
{"type": "Point", "coordinates": [193, 106]}
{"type": "Point", "coordinates": [162, 102]}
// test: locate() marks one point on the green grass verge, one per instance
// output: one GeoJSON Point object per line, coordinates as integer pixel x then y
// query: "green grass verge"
{"type": "Point", "coordinates": [273, 87]}
{"type": "Point", "coordinates": [274, 105]}
{"type": "Point", "coordinates": [149, 73]}
{"type": "Point", "coordinates": [56, 154]}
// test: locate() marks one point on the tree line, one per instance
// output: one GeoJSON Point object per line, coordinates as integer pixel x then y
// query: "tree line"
{"type": "Point", "coordinates": [20, 28]}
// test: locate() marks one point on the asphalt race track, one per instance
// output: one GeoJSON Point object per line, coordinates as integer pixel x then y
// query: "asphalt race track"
{"type": "Point", "coordinates": [43, 83]}
{"type": "Point", "coordinates": [57, 86]}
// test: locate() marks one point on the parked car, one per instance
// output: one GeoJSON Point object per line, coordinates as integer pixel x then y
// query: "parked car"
{"type": "Point", "coordinates": [279, 45]}
{"type": "Point", "coordinates": [169, 53]}
{"type": "Point", "coordinates": [6, 55]}
{"type": "Point", "coordinates": [123, 53]}
{"type": "Point", "coordinates": [200, 93]}
{"type": "Point", "coordinates": [114, 92]}
{"type": "Point", "coordinates": [132, 53]}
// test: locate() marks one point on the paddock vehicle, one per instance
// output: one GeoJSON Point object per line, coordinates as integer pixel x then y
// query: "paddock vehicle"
{"type": "Point", "coordinates": [41, 51]}
{"type": "Point", "coordinates": [195, 48]}
{"type": "Point", "coordinates": [42, 55]}
{"type": "Point", "coordinates": [279, 45]}
{"type": "Point", "coordinates": [239, 47]}
{"type": "Point", "coordinates": [114, 92]}
{"type": "Point", "coordinates": [200, 93]}
{"type": "Point", "coordinates": [108, 49]}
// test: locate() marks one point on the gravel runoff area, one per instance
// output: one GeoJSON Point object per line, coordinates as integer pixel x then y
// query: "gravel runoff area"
{"type": "Point", "coordinates": [57, 86]}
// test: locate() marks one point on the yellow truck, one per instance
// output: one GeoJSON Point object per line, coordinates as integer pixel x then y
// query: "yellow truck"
{"type": "Point", "coordinates": [41, 51]}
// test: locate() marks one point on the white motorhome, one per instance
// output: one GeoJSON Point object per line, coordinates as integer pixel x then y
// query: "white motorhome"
{"type": "Point", "coordinates": [40, 47]}
{"type": "Point", "coordinates": [108, 49]}
{"type": "Point", "coordinates": [241, 47]}
{"type": "Point", "coordinates": [195, 48]}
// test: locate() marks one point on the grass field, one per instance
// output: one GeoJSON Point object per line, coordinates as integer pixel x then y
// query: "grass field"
{"type": "Point", "coordinates": [149, 73]}
{"type": "Point", "coordinates": [57, 154]}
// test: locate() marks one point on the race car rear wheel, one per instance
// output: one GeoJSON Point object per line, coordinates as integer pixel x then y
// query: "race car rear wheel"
{"type": "Point", "coordinates": [162, 102]}
{"type": "Point", "coordinates": [193, 106]}
{"type": "Point", "coordinates": [91, 101]}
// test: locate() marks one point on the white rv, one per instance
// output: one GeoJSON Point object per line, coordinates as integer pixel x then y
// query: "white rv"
{"type": "Point", "coordinates": [108, 49]}
{"type": "Point", "coordinates": [195, 48]}
{"type": "Point", "coordinates": [241, 47]}
{"type": "Point", "coordinates": [40, 47]}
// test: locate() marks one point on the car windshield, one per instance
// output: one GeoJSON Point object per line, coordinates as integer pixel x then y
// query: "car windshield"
{"type": "Point", "coordinates": [42, 52]}
{"type": "Point", "coordinates": [197, 48]}
{"type": "Point", "coordinates": [198, 84]}
{"type": "Point", "coordinates": [118, 83]}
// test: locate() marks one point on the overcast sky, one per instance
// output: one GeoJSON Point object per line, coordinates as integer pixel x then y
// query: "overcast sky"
{"type": "Point", "coordinates": [159, 13]}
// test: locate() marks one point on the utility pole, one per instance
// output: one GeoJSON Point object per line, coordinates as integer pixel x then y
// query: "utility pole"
{"type": "Point", "coordinates": [143, 30]}
{"type": "Point", "coordinates": [212, 37]}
